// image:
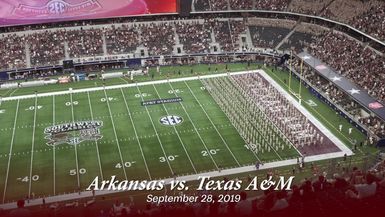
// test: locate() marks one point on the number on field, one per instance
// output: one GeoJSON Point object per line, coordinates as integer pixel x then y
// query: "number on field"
{"type": "Point", "coordinates": [311, 103]}
{"type": "Point", "coordinates": [26, 178]}
{"type": "Point", "coordinates": [211, 152]}
{"type": "Point", "coordinates": [169, 158]}
{"type": "Point", "coordinates": [175, 91]}
{"type": "Point", "coordinates": [109, 99]}
{"type": "Point", "coordinates": [126, 164]}
{"type": "Point", "coordinates": [203, 88]}
{"type": "Point", "coordinates": [138, 95]}
{"type": "Point", "coordinates": [32, 108]}
{"type": "Point", "coordinates": [82, 171]}
{"type": "Point", "coordinates": [73, 103]}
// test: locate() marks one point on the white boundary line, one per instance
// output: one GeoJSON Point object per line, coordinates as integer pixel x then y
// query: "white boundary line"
{"type": "Point", "coordinates": [156, 132]}
{"type": "Point", "coordinates": [75, 146]}
{"type": "Point", "coordinates": [177, 133]}
{"type": "Point", "coordinates": [196, 130]}
{"type": "Point", "coordinates": [96, 141]}
{"type": "Point", "coordinates": [208, 117]}
{"type": "Point", "coordinates": [136, 133]}
{"type": "Point", "coordinates": [32, 149]}
{"type": "Point", "coordinates": [116, 135]}
{"type": "Point", "coordinates": [10, 150]}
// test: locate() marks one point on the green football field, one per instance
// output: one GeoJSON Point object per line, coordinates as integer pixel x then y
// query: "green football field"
{"type": "Point", "coordinates": [134, 144]}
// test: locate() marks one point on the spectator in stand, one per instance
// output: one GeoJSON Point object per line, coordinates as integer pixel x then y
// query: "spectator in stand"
{"type": "Point", "coordinates": [312, 7]}
{"type": "Point", "coordinates": [158, 38]}
{"type": "Point", "coordinates": [243, 207]}
{"type": "Point", "coordinates": [219, 5]}
{"type": "Point", "coordinates": [227, 34]}
{"type": "Point", "coordinates": [12, 52]}
{"type": "Point", "coordinates": [351, 59]}
{"type": "Point", "coordinates": [274, 5]}
{"type": "Point", "coordinates": [372, 22]}
{"type": "Point", "coordinates": [365, 190]}
{"type": "Point", "coordinates": [46, 48]}
{"type": "Point", "coordinates": [84, 42]}
{"type": "Point", "coordinates": [122, 39]}
{"type": "Point", "coordinates": [241, 4]}
{"type": "Point", "coordinates": [201, 5]}
{"type": "Point", "coordinates": [195, 37]}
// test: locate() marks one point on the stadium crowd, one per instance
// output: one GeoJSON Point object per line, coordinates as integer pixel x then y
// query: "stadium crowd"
{"type": "Point", "coordinates": [195, 37]}
{"type": "Point", "coordinates": [46, 48]}
{"type": "Point", "coordinates": [121, 39]}
{"type": "Point", "coordinates": [241, 4]}
{"type": "Point", "coordinates": [366, 15]}
{"type": "Point", "coordinates": [223, 34]}
{"type": "Point", "coordinates": [375, 124]}
{"type": "Point", "coordinates": [363, 66]}
{"type": "Point", "coordinates": [12, 52]}
{"type": "Point", "coordinates": [158, 38]}
{"type": "Point", "coordinates": [83, 43]}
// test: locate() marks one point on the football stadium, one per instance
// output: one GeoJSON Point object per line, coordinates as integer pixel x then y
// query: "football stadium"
{"type": "Point", "coordinates": [146, 93]}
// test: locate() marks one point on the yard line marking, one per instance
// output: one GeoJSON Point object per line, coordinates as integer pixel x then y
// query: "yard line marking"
{"type": "Point", "coordinates": [54, 147]}
{"type": "Point", "coordinates": [75, 146]}
{"type": "Point", "coordinates": [223, 140]}
{"type": "Point", "coordinates": [156, 132]}
{"type": "Point", "coordinates": [10, 150]}
{"type": "Point", "coordinates": [136, 134]}
{"type": "Point", "coordinates": [116, 135]}
{"type": "Point", "coordinates": [177, 133]}
{"type": "Point", "coordinates": [196, 130]}
{"type": "Point", "coordinates": [32, 149]}
{"type": "Point", "coordinates": [124, 80]}
{"type": "Point", "coordinates": [96, 141]}
{"type": "Point", "coordinates": [6, 93]}
{"type": "Point", "coordinates": [14, 91]}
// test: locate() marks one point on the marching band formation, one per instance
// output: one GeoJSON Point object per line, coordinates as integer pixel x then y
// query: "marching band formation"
{"type": "Point", "coordinates": [265, 119]}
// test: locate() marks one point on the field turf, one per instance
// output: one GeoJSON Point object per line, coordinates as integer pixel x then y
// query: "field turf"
{"type": "Point", "coordinates": [135, 145]}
